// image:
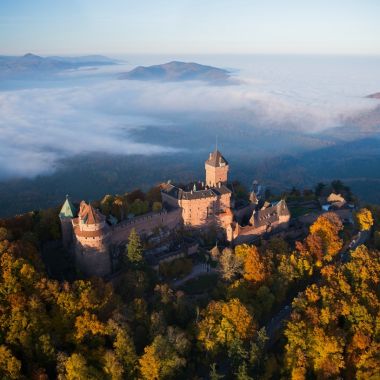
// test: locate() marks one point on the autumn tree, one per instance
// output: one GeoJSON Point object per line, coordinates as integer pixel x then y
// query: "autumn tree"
{"type": "Point", "coordinates": [166, 355]}
{"type": "Point", "coordinates": [112, 366]}
{"type": "Point", "coordinates": [125, 352]}
{"type": "Point", "coordinates": [214, 375]}
{"type": "Point", "coordinates": [254, 268]}
{"type": "Point", "coordinates": [364, 219]}
{"type": "Point", "coordinates": [10, 367]}
{"type": "Point", "coordinates": [119, 207]}
{"type": "Point", "coordinates": [4, 234]}
{"type": "Point", "coordinates": [332, 330]}
{"type": "Point", "coordinates": [324, 241]}
{"type": "Point", "coordinates": [222, 323]}
{"type": "Point", "coordinates": [106, 204]}
{"type": "Point", "coordinates": [77, 368]}
{"type": "Point", "coordinates": [230, 264]}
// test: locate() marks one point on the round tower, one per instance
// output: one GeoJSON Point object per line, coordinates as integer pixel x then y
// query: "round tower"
{"type": "Point", "coordinates": [92, 234]}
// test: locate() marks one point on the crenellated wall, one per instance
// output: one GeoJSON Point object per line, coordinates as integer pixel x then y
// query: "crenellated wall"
{"type": "Point", "coordinates": [145, 224]}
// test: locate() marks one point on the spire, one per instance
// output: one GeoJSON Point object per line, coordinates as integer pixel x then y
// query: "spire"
{"type": "Point", "coordinates": [68, 210]}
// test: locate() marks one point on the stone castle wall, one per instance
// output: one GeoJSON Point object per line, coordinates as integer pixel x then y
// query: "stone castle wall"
{"type": "Point", "coordinates": [203, 211]}
{"type": "Point", "coordinates": [198, 212]}
{"type": "Point", "coordinates": [145, 224]}
{"type": "Point", "coordinates": [249, 233]}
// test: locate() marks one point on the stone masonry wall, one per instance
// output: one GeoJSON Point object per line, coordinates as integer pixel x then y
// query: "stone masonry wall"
{"type": "Point", "coordinates": [145, 224]}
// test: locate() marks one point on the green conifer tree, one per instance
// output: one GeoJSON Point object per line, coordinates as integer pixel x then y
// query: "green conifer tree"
{"type": "Point", "coordinates": [134, 248]}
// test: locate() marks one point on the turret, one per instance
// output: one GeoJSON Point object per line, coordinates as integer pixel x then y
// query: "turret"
{"type": "Point", "coordinates": [66, 215]}
{"type": "Point", "coordinates": [216, 169]}
{"type": "Point", "coordinates": [92, 235]}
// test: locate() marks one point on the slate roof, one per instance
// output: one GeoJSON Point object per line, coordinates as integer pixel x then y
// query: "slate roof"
{"type": "Point", "coordinates": [216, 159]}
{"type": "Point", "coordinates": [68, 210]}
{"type": "Point", "coordinates": [266, 216]}
{"type": "Point", "coordinates": [173, 191]}
{"type": "Point", "coordinates": [179, 193]}
{"type": "Point", "coordinates": [199, 194]}
{"type": "Point", "coordinates": [223, 189]}
{"type": "Point", "coordinates": [270, 214]}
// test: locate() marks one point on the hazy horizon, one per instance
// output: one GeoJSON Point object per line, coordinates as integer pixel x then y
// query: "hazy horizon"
{"type": "Point", "coordinates": [116, 26]}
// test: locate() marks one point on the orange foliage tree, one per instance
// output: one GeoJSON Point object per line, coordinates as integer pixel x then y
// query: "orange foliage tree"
{"type": "Point", "coordinates": [254, 268]}
{"type": "Point", "coordinates": [333, 330]}
{"type": "Point", "coordinates": [324, 241]}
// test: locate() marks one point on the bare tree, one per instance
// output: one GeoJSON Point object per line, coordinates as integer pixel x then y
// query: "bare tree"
{"type": "Point", "coordinates": [230, 264]}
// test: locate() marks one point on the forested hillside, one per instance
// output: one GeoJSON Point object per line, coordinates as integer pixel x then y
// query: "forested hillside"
{"type": "Point", "coordinates": [142, 327]}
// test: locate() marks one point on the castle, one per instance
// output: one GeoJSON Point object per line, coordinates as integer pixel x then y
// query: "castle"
{"type": "Point", "coordinates": [196, 206]}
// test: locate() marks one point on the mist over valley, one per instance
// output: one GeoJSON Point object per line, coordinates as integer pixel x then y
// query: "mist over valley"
{"type": "Point", "coordinates": [284, 120]}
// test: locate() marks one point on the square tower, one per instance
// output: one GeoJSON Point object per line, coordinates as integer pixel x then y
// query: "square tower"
{"type": "Point", "coordinates": [216, 169]}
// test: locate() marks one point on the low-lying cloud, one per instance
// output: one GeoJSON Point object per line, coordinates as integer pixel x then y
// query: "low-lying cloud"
{"type": "Point", "coordinates": [41, 125]}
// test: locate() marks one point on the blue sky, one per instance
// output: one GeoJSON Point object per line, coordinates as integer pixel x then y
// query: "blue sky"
{"type": "Point", "coordinates": [184, 26]}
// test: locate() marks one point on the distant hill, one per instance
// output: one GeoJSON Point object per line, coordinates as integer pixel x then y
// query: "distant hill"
{"type": "Point", "coordinates": [31, 64]}
{"type": "Point", "coordinates": [376, 95]}
{"type": "Point", "coordinates": [176, 71]}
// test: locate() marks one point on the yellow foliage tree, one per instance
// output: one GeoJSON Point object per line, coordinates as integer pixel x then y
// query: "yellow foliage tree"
{"type": "Point", "coordinates": [224, 322]}
{"type": "Point", "coordinates": [254, 269]}
{"type": "Point", "coordinates": [10, 367]}
{"type": "Point", "coordinates": [150, 364]}
{"type": "Point", "coordinates": [88, 324]}
{"type": "Point", "coordinates": [333, 327]}
{"type": "Point", "coordinates": [364, 219]}
{"type": "Point", "coordinates": [327, 228]}
{"type": "Point", "coordinates": [165, 356]}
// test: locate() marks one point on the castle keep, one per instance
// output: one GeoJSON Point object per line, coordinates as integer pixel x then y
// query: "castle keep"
{"type": "Point", "coordinates": [204, 204]}
{"type": "Point", "coordinates": [199, 205]}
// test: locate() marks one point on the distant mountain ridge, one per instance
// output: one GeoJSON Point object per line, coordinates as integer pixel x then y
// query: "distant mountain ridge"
{"type": "Point", "coordinates": [31, 64]}
{"type": "Point", "coordinates": [376, 95]}
{"type": "Point", "coordinates": [176, 71]}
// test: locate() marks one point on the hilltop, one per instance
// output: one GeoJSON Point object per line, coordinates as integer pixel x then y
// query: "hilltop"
{"type": "Point", "coordinates": [31, 64]}
{"type": "Point", "coordinates": [176, 71]}
{"type": "Point", "coordinates": [376, 95]}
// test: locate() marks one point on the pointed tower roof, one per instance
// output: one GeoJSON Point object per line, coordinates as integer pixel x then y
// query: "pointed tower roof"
{"type": "Point", "coordinates": [68, 210]}
{"type": "Point", "coordinates": [88, 215]}
{"type": "Point", "coordinates": [216, 159]}
{"type": "Point", "coordinates": [93, 216]}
